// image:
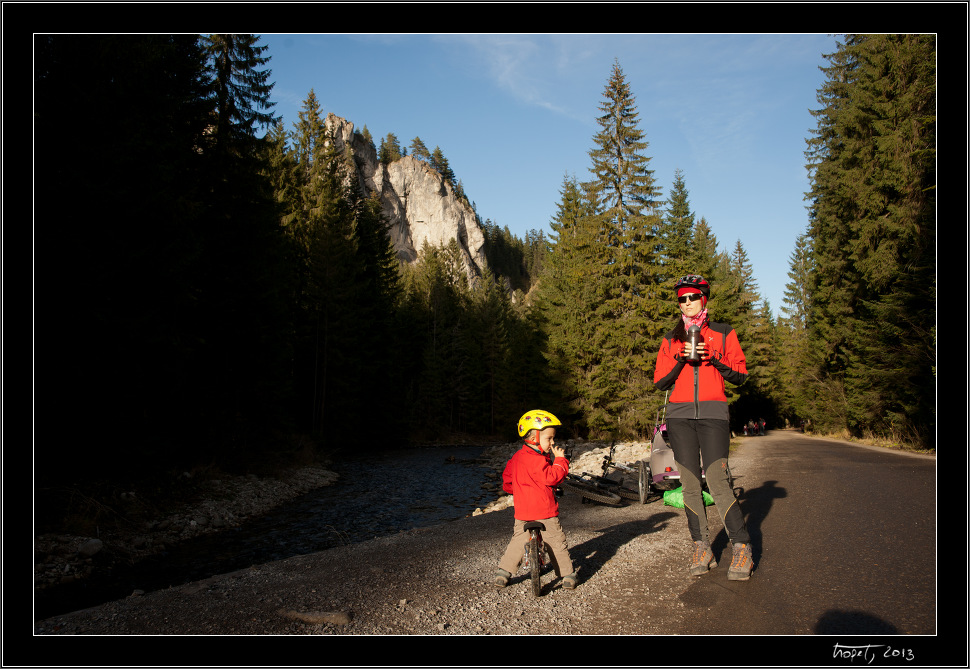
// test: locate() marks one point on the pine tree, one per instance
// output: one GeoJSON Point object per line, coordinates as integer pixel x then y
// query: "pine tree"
{"type": "Point", "coordinates": [537, 249]}
{"type": "Point", "coordinates": [282, 171]}
{"type": "Point", "coordinates": [242, 90]}
{"type": "Point", "coordinates": [629, 310]}
{"type": "Point", "coordinates": [246, 281]}
{"type": "Point", "coordinates": [743, 291]}
{"type": "Point", "coordinates": [440, 163]}
{"type": "Point", "coordinates": [675, 248]}
{"type": "Point", "coordinates": [334, 299]}
{"type": "Point", "coordinates": [792, 336]}
{"type": "Point", "coordinates": [419, 150]}
{"type": "Point", "coordinates": [872, 163]}
{"type": "Point", "coordinates": [307, 138]}
{"type": "Point", "coordinates": [307, 132]}
{"type": "Point", "coordinates": [121, 291]}
{"type": "Point", "coordinates": [439, 289]}
{"type": "Point", "coordinates": [737, 304]}
{"type": "Point", "coordinates": [566, 297]}
{"type": "Point", "coordinates": [704, 254]}
{"type": "Point", "coordinates": [491, 371]}
{"type": "Point", "coordinates": [390, 150]}
{"type": "Point", "coordinates": [331, 297]}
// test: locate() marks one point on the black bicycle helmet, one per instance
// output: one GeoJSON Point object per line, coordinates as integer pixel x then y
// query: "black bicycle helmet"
{"type": "Point", "coordinates": [694, 281]}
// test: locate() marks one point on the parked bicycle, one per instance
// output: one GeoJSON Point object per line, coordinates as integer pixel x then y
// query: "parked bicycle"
{"type": "Point", "coordinates": [590, 489]}
{"type": "Point", "coordinates": [638, 490]}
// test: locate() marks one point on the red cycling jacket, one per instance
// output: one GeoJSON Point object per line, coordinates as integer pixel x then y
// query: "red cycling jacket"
{"type": "Point", "coordinates": [698, 388]}
{"type": "Point", "coordinates": [530, 479]}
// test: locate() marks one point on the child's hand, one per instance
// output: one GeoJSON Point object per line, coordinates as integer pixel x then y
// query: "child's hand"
{"type": "Point", "coordinates": [557, 452]}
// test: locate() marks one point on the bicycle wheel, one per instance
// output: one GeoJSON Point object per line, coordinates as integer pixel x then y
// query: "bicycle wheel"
{"type": "Point", "coordinates": [627, 493]}
{"type": "Point", "coordinates": [589, 491]}
{"type": "Point", "coordinates": [612, 486]}
{"type": "Point", "coordinates": [535, 566]}
{"type": "Point", "coordinates": [644, 481]}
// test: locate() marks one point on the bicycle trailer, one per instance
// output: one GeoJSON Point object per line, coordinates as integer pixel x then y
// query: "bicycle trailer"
{"type": "Point", "coordinates": [664, 474]}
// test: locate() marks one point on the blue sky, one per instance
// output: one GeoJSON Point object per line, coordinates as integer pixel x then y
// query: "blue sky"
{"type": "Point", "coordinates": [514, 114]}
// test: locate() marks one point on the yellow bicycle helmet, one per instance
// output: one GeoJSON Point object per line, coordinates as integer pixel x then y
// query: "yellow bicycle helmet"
{"type": "Point", "coordinates": [536, 419]}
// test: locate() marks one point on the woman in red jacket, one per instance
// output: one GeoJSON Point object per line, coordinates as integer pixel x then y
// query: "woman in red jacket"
{"type": "Point", "coordinates": [697, 421]}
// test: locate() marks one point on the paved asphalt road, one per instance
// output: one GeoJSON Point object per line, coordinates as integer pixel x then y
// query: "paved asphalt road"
{"type": "Point", "coordinates": [845, 544]}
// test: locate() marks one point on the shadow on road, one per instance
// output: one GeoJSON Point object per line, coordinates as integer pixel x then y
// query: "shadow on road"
{"type": "Point", "coordinates": [755, 504]}
{"type": "Point", "coordinates": [592, 554]}
{"type": "Point", "coordinates": [852, 622]}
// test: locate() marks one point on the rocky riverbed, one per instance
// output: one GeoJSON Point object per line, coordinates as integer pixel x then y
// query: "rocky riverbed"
{"type": "Point", "coordinates": [66, 558]}
{"type": "Point", "coordinates": [64, 561]}
{"type": "Point", "coordinates": [432, 580]}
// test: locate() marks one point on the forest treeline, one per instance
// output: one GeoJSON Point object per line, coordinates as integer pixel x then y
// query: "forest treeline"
{"type": "Point", "coordinates": [212, 290]}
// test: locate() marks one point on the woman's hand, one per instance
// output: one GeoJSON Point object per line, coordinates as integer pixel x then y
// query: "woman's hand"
{"type": "Point", "coordinates": [701, 349]}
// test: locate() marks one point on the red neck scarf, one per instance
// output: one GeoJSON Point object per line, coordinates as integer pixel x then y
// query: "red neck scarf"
{"type": "Point", "coordinates": [697, 320]}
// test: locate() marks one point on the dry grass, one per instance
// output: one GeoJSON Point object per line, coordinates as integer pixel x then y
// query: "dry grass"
{"type": "Point", "coordinates": [897, 443]}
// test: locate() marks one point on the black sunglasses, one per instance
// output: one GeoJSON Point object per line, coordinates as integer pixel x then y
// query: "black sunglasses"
{"type": "Point", "coordinates": [693, 297]}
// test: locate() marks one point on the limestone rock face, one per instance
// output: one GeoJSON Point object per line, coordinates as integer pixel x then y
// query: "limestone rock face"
{"type": "Point", "coordinates": [418, 203]}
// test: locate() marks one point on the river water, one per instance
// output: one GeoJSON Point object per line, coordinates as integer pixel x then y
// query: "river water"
{"type": "Point", "coordinates": [377, 495]}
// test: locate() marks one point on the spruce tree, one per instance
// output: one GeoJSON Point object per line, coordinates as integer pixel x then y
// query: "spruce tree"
{"type": "Point", "coordinates": [792, 336]}
{"type": "Point", "coordinates": [741, 305]}
{"type": "Point", "coordinates": [307, 140]}
{"type": "Point", "coordinates": [567, 297]}
{"type": "Point", "coordinates": [242, 89]}
{"type": "Point", "coordinates": [246, 280]}
{"type": "Point", "coordinates": [492, 373]}
{"type": "Point", "coordinates": [872, 224]}
{"type": "Point", "coordinates": [282, 171]}
{"type": "Point", "coordinates": [734, 300]}
{"type": "Point", "coordinates": [440, 163]}
{"type": "Point", "coordinates": [331, 298]}
{"type": "Point", "coordinates": [536, 251]}
{"type": "Point", "coordinates": [629, 310]}
{"type": "Point", "coordinates": [390, 150]}
{"type": "Point", "coordinates": [122, 329]}
{"type": "Point", "coordinates": [334, 299]}
{"type": "Point", "coordinates": [676, 243]}
{"type": "Point", "coordinates": [704, 253]}
{"type": "Point", "coordinates": [443, 388]}
{"type": "Point", "coordinates": [419, 150]}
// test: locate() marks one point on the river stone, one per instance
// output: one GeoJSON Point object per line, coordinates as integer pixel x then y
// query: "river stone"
{"type": "Point", "coordinates": [90, 547]}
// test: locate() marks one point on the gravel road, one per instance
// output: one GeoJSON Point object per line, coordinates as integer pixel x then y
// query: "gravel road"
{"type": "Point", "coordinates": [433, 581]}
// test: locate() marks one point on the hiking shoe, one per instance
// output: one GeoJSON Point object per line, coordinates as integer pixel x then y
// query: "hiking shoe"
{"type": "Point", "coordinates": [569, 582]}
{"type": "Point", "coordinates": [501, 578]}
{"type": "Point", "coordinates": [703, 559]}
{"type": "Point", "coordinates": [741, 563]}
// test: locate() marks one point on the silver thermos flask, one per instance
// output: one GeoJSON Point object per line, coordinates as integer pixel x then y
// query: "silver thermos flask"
{"type": "Point", "coordinates": [694, 336]}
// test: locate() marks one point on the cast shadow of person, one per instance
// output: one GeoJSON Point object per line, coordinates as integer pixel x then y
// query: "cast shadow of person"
{"type": "Point", "coordinates": [852, 622]}
{"type": "Point", "coordinates": [589, 556]}
{"type": "Point", "coordinates": [755, 505]}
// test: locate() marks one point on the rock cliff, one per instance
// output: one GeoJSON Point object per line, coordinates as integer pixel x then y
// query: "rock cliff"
{"type": "Point", "coordinates": [418, 203]}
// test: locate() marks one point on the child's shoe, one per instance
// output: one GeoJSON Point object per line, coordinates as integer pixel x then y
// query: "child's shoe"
{"type": "Point", "coordinates": [569, 582]}
{"type": "Point", "coordinates": [703, 559]}
{"type": "Point", "coordinates": [741, 563]}
{"type": "Point", "coordinates": [501, 578]}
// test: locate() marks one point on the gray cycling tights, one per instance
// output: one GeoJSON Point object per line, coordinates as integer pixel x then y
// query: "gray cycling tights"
{"type": "Point", "coordinates": [707, 441]}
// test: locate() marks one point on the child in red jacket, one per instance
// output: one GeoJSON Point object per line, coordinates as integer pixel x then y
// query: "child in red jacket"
{"type": "Point", "coordinates": [531, 479]}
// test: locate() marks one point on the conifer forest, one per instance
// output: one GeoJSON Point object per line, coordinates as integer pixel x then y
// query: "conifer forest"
{"type": "Point", "coordinates": [209, 291]}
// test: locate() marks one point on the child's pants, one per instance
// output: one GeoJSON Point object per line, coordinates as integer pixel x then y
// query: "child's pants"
{"type": "Point", "coordinates": [553, 536]}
